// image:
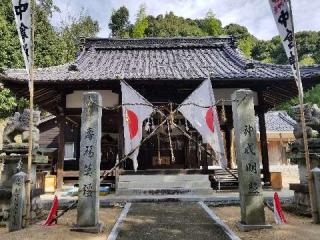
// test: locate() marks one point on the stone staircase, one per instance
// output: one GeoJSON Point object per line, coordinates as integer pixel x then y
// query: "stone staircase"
{"type": "Point", "coordinates": [159, 184]}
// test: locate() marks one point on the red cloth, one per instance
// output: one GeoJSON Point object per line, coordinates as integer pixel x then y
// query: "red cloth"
{"type": "Point", "coordinates": [53, 212]}
{"type": "Point", "coordinates": [278, 207]}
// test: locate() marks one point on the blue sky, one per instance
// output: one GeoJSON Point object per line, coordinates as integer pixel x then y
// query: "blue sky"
{"type": "Point", "coordinates": [254, 14]}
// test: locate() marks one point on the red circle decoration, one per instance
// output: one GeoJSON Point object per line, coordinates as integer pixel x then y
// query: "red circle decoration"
{"type": "Point", "coordinates": [209, 119]}
{"type": "Point", "coordinates": [133, 123]}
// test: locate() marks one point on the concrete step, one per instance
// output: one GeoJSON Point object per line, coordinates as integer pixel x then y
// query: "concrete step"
{"type": "Point", "coordinates": [163, 178]}
{"type": "Point", "coordinates": [171, 184]}
{"type": "Point", "coordinates": [168, 191]}
{"type": "Point", "coordinates": [158, 184]}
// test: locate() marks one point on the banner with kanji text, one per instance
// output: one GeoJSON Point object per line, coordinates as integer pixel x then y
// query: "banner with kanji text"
{"type": "Point", "coordinates": [22, 14]}
{"type": "Point", "coordinates": [282, 14]}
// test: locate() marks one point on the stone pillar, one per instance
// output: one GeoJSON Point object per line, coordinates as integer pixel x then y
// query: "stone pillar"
{"type": "Point", "coordinates": [251, 198]}
{"type": "Point", "coordinates": [17, 207]}
{"type": "Point", "coordinates": [89, 164]}
{"type": "Point", "coordinates": [316, 200]}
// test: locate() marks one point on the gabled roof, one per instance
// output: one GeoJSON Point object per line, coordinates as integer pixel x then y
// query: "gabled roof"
{"type": "Point", "coordinates": [161, 59]}
{"type": "Point", "coordinates": [278, 121]}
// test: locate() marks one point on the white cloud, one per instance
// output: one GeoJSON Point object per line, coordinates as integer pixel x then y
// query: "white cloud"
{"type": "Point", "coordinates": [255, 14]}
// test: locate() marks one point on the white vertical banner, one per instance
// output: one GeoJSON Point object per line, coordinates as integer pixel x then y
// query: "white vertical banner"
{"type": "Point", "coordinates": [22, 14]}
{"type": "Point", "coordinates": [282, 14]}
{"type": "Point", "coordinates": [135, 109]}
{"type": "Point", "coordinates": [200, 110]}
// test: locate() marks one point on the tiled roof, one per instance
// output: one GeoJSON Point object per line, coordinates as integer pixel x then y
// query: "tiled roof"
{"type": "Point", "coordinates": [162, 59]}
{"type": "Point", "coordinates": [278, 121]}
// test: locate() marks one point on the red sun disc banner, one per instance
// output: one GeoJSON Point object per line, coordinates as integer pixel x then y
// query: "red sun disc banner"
{"type": "Point", "coordinates": [133, 123]}
{"type": "Point", "coordinates": [209, 119]}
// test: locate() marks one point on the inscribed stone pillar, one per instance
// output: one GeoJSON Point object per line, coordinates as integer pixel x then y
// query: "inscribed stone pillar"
{"type": "Point", "coordinates": [17, 206]}
{"type": "Point", "coordinates": [316, 200]}
{"type": "Point", "coordinates": [89, 163]}
{"type": "Point", "coordinates": [251, 198]}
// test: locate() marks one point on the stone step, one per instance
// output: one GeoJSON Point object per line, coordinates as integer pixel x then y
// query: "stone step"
{"type": "Point", "coordinates": [164, 184]}
{"type": "Point", "coordinates": [162, 191]}
{"type": "Point", "coordinates": [163, 178]}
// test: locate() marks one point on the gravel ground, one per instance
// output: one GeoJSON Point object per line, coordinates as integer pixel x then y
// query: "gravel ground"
{"type": "Point", "coordinates": [297, 228]}
{"type": "Point", "coordinates": [157, 221]}
{"type": "Point", "coordinates": [62, 231]}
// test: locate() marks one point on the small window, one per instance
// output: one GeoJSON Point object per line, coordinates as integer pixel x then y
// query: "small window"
{"type": "Point", "coordinates": [69, 151]}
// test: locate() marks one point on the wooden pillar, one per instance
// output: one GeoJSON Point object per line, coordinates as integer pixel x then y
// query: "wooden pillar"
{"type": "Point", "coordinates": [263, 140]}
{"type": "Point", "coordinates": [228, 139]}
{"type": "Point", "coordinates": [61, 124]}
{"type": "Point", "coordinates": [205, 160]}
{"type": "Point", "coordinates": [120, 132]}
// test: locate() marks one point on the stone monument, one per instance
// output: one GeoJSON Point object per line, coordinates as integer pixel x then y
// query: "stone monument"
{"type": "Point", "coordinates": [14, 156]}
{"type": "Point", "coordinates": [17, 206]}
{"type": "Point", "coordinates": [89, 164]}
{"type": "Point", "coordinates": [251, 197]}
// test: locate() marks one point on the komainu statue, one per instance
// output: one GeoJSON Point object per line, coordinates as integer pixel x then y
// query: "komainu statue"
{"type": "Point", "coordinates": [19, 125]}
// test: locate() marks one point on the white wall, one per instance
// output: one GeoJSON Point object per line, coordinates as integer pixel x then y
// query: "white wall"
{"type": "Point", "coordinates": [109, 98]}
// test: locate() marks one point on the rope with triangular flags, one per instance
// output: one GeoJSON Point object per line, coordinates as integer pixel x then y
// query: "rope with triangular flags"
{"type": "Point", "coordinates": [170, 122]}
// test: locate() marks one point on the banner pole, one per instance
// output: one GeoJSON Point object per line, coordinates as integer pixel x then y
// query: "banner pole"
{"type": "Point", "coordinates": [30, 140]}
{"type": "Point", "coordinates": [303, 126]}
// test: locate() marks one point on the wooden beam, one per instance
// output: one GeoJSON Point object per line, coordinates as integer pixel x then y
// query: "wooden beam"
{"type": "Point", "coordinates": [263, 139]}
{"type": "Point", "coordinates": [61, 124]}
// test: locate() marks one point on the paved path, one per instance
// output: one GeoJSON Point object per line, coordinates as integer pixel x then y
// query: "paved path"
{"type": "Point", "coordinates": [158, 221]}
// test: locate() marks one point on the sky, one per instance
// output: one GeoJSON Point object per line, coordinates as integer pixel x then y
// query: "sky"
{"type": "Point", "coordinates": [254, 14]}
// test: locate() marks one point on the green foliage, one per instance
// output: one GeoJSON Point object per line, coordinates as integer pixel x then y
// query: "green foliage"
{"type": "Point", "coordinates": [171, 25]}
{"type": "Point", "coordinates": [307, 60]}
{"type": "Point", "coordinates": [310, 97]}
{"type": "Point", "coordinates": [7, 103]}
{"type": "Point", "coordinates": [75, 29]}
{"type": "Point", "coordinates": [119, 23]}
{"type": "Point", "coordinates": [10, 54]}
{"type": "Point", "coordinates": [211, 26]}
{"type": "Point", "coordinates": [141, 23]}
{"type": "Point", "coordinates": [236, 30]}
{"type": "Point", "coordinates": [48, 44]}
{"type": "Point", "coordinates": [53, 46]}
{"type": "Point", "coordinates": [246, 41]}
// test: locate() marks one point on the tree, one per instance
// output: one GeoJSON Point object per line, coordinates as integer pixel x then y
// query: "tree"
{"type": "Point", "coordinates": [171, 25]}
{"type": "Point", "coordinates": [10, 53]}
{"type": "Point", "coordinates": [73, 30]}
{"type": "Point", "coordinates": [210, 25]}
{"type": "Point", "coordinates": [246, 41]}
{"type": "Point", "coordinates": [48, 44]}
{"type": "Point", "coordinates": [119, 23]}
{"type": "Point", "coordinates": [141, 23]}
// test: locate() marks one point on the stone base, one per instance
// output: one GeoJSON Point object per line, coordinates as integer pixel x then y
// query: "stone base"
{"type": "Point", "coordinates": [93, 229]}
{"type": "Point", "coordinates": [246, 228]}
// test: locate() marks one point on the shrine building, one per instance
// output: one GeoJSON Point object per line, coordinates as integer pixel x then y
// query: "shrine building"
{"type": "Point", "coordinates": [163, 70]}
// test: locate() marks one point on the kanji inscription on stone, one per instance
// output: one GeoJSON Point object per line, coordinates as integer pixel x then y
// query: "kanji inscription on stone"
{"type": "Point", "coordinates": [89, 162]}
{"type": "Point", "coordinates": [17, 205]}
{"type": "Point", "coordinates": [251, 199]}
